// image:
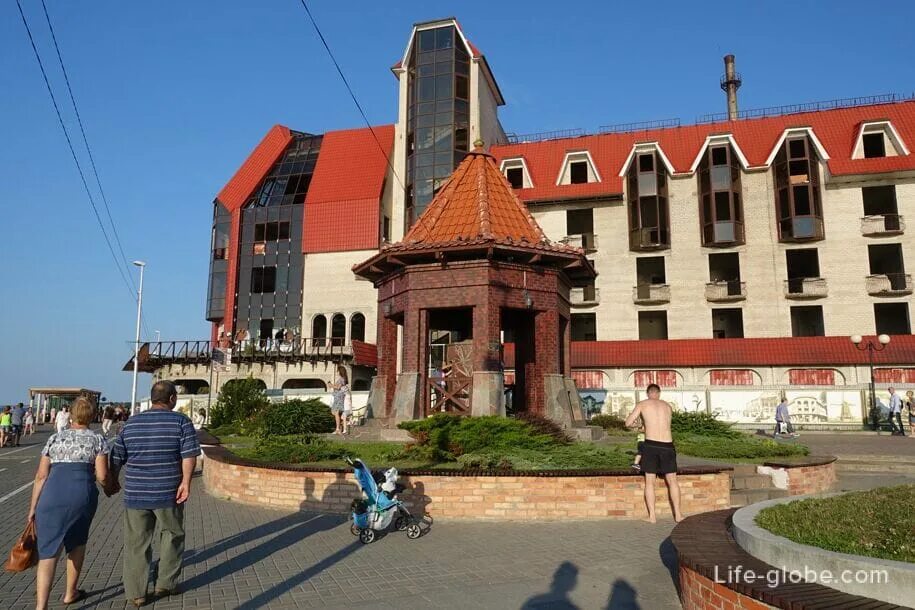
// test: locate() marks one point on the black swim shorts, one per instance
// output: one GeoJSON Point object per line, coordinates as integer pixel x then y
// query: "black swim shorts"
{"type": "Point", "coordinates": [659, 458]}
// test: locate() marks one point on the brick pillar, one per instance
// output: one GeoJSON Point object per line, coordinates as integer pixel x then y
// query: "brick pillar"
{"type": "Point", "coordinates": [387, 360]}
{"type": "Point", "coordinates": [545, 358]}
{"type": "Point", "coordinates": [486, 338]}
{"type": "Point", "coordinates": [565, 327]}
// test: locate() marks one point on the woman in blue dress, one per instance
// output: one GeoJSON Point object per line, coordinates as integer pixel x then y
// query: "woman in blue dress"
{"type": "Point", "coordinates": [64, 499]}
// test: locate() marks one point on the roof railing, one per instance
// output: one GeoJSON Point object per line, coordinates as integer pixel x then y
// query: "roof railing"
{"type": "Point", "coordinates": [515, 138]}
{"type": "Point", "coordinates": [640, 126]}
{"type": "Point", "coordinates": [845, 102]}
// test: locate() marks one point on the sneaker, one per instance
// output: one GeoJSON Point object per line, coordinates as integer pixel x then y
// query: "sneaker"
{"type": "Point", "coordinates": [636, 467]}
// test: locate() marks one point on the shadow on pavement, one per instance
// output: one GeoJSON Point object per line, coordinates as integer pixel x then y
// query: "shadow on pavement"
{"type": "Point", "coordinates": [668, 553]}
{"type": "Point", "coordinates": [622, 596]}
{"type": "Point", "coordinates": [564, 580]}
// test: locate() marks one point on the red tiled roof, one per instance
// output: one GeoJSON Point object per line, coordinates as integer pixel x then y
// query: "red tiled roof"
{"type": "Point", "coordinates": [778, 351]}
{"type": "Point", "coordinates": [365, 354]}
{"type": "Point", "coordinates": [836, 129]}
{"type": "Point", "coordinates": [343, 203]}
{"type": "Point", "coordinates": [234, 194]}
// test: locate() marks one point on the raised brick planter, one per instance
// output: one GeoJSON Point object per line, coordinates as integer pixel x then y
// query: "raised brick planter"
{"type": "Point", "coordinates": [465, 495]}
{"type": "Point", "coordinates": [709, 579]}
{"type": "Point", "coordinates": [802, 476]}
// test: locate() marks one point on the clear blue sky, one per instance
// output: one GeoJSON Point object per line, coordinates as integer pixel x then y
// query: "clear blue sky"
{"type": "Point", "coordinates": [175, 94]}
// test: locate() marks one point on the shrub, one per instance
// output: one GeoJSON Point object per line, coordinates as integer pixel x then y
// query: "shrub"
{"type": "Point", "coordinates": [203, 390]}
{"type": "Point", "coordinates": [239, 400]}
{"type": "Point", "coordinates": [295, 417]}
{"type": "Point", "coordinates": [574, 456]}
{"type": "Point", "coordinates": [609, 422]}
{"type": "Point", "coordinates": [545, 425]}
{"type": "Point", "coordinates": [741, 447]}
{"type": "Point", "coordinates": [297, 449]}
{"type": "Point", "coordinates": [701, 423]}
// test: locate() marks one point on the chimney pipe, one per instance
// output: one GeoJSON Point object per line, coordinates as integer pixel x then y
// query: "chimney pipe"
{"type": "Point", "coordinates": [730, 83]}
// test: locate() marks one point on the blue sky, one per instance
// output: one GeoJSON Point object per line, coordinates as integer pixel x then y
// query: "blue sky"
{"type": "Point", "coordinates": [175, 94]}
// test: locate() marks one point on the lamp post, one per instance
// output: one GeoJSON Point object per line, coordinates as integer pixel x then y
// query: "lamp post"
{"type": "Point", "coordinates": [871, 346]}
{"type": "Point", "coordinates": [136, 344]}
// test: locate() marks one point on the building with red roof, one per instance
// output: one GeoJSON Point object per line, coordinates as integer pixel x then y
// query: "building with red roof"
{"type": "Point", "coordinates": [736, 255]}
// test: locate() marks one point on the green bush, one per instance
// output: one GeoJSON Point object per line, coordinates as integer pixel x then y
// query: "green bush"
{"type": "Point", "coordinates": [560, 457]}
{"type": "Point", "coordinates": [225, 430]}
{"type": "Point", "coordinates": [609, 422]}
{"type": "Point", "coordinates": [295, 417]}
{"type": "Point", "coordinates": [297, 449]}
{"type": "Point", "coordinates": [701, 423]}
{"type": "Point", "coordinates": [740, 447]}
{"type": "Point", "coordinates": [238, 402]}
{"type": "Point", "coordinates": [444, 437]}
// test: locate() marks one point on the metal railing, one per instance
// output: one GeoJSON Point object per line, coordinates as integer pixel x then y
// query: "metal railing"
{"type": "Point", "coordinates": [244, 350]}
{"type": "Point", "coordinates": [640, 126]}
{"type": "Point", "coordinates": [846, 102]}
{"type": "Point", "coordinates": [585, 241]}
{"type": "Point", "coordinates": [889, 284]}
{"type": "Point", "coordinates": [519, 138]}
{"type": "Point", "coordinates": [806, 288]}
{"type": "Point", "coordinates": [650, 294]}
{"type": "Point", "coordinates": [725, 290]}
{"type": "Point", "coordinates": [882, 224]}
{"type": "Point", "coordinates": [584, 296]}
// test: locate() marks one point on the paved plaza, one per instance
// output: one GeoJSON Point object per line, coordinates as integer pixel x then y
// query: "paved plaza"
{"type": "Point", "coordinates": [246, 557]}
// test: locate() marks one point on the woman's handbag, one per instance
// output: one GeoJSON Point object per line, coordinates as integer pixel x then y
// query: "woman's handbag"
{"type": "Point", "coordinates": [24, 554]}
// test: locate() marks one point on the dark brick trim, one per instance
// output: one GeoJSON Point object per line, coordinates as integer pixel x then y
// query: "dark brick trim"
{"type": "Point", "coordinates": [810, 460]}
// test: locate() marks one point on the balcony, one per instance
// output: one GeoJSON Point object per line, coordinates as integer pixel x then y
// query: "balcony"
{"type": "Point", "coordinates": [725, 291]}
{"type": "Point", "coordinates": [801, 228]}
{"type": "Point", "coordinates": [882, 224]}
{"type": "Point", "coordinates": [654, 238]}
{"type": "Point", "coordinates": [722, 234]}
{"type": "Point", "coordinates": [889, 285]}
{"type": "Point", "coordinates": [806, 288]}
{"type": "Point", "coordinates": [651, 294]}
{"type": "Point", "coordinates": [585, 241]}
{"type": "Point", "coordinates": [584, 296]}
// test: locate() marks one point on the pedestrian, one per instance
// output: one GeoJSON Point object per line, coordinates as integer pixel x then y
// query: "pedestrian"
{"type": "Point", "coordinates": [17, 419]}
{"type": "Point", "coordinates": [659, 456]}
{"type": "Point", "coordinates": [783, 424]}
{"type": "Point", "coordinates": [53, 419]}
{"type": "Point", "coordinates": [199, 419]}
{"type": "Point", "coordinates": [896, 413]}
{"type": "Point", "coordinates": [910, 401]}
{"type": "Point", "coordinates": [63, 419]}
{"type": "Point", "coordinates": [158, 449]}
{"type": "Point", "coordinates": [64, 500]}
{"type": "Point", "coordinates": [341, 387]}
{"type": "Point", "coordinates": [107, 420]}
{"type": "Point", "coordinates": [29, 422]}
{"type": "Point", "coordinates": [6, 422]}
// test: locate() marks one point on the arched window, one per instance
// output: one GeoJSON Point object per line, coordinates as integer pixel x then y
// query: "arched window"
{"type": "Point", "coordinates": [357, 327]}
{"type": "Point", "coordinates": [319, 329]}
{"type": "Point", "coordinates": [338, 329]}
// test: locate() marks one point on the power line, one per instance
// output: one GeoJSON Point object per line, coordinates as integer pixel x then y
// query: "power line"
{"type": "Point", "coordinates": [351, 94]}
{"type": "Point", "coordinates": [79, 168]}
{"type": "Point", "coordinates": [82, 130]}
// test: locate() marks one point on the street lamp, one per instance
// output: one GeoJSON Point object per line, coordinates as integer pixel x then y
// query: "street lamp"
{"type": "Point", "coordinates": [136, 345]}
{"type": "Point", "coordinates": [871, 346]}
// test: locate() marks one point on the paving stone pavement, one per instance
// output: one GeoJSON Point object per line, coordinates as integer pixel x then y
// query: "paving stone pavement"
{"type": "Point", "coordinates": [249, 557]}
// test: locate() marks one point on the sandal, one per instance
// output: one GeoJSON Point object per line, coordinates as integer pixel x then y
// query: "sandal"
{"type": "Point", "coordinates": [138, 602]}
{"type": "Point", "coordinates": [80, 596]}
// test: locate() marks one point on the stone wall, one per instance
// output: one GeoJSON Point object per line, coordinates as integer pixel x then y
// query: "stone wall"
{"type": "Point", "coordinates": [611, 495]}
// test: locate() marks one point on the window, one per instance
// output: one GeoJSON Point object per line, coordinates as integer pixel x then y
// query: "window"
{"type": "Point", "coordinates": [579, 222]}
{"type": "Point", "coordinates": [727, 323]}
{"type": "Point", "coordinates": [649, 270]}
{"type": "Point", "coordinates": [892, 318]}
{"type": "Point", "coordinates": [357, 327]}
{"type": "Point", "coordinates": [578, 172]}
{"type": "Point", "coordinates": [338, 328]}
{"type": "Point", "coordinates": [263, 280]}
{"type": "Point", "coordinates": [807, 321]}
{"type": "Point", "coordinates": [271, 231]}
{"type": "Point", "coordinates": [649, 222]}
{"type": "Point", "coordinates": [874, 145]}
{"type": "Point", "coordinates": [288, 181]}
{"type": "Point", "coordinates": [386, 229]}
{"type": "Point", "coordinates": [879, 200]}
{"type": "Point", "coordinates": [652, 325]}
{"type": "Point", "coordinates": [265, 331]}
{"type": "Point", "coordinates": [725, 269]}
{"type": "Point", "coordinates": [797, 185]}
{"type": "Point", "coordinates": [584, 327]}
{"type": "Point", "coordinates": [319, 329]}
{"type": "Point", "coordinates": [886, 260]}
{"type": "Point", "coordinates": [720, 206]}
{"type": "Point", "coordinates": [801, 265]}
{"type": "Point", "coordinates": [515, 177]}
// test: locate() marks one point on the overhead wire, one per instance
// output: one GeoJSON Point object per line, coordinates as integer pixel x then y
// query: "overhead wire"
{"type": "Point", "coordinates": [82, 175]}
{"type": "Point", "coordinates": [351, 93]}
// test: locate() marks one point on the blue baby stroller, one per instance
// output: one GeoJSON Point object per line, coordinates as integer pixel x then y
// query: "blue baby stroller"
{"type": "Point", "coordinates": [379, 507]}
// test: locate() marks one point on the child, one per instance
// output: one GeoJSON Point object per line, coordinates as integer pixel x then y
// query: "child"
{"type": "Point", "coordinates": [6, 422]}
{"type": "Point", "coordinates": [640, 443]}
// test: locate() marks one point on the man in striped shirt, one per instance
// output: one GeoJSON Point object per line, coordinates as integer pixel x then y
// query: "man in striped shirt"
{"type": "Point", "coordinates": [158, 450]}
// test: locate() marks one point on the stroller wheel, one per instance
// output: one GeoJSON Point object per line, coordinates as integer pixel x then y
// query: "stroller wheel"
{"type": "Point", "coordinates": [401, 523]}
{"type": "Point", "coordinates": [413, 531]}
{"type": "Point", "coordinates": [354, 529]}
{"type": "Point", "coordinates": [367, 536]}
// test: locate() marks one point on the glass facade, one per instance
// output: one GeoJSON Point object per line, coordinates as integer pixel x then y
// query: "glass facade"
{"type": "Point", "coordinates": [720, 209]}
{"type": "Point", "coordinates": [219, 262]}
{"type": "Point", "coordinates": [797, 191]}
{"type": "Point", "coordinates": [270, 260]}
{"type": "Point", "coordinates": [438, 114]}
{"type": "Point", "coordinates": [649, 220]}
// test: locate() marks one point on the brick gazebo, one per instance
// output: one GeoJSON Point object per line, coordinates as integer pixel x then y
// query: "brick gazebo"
{"type": "Point", "coordinates": [474, 268]}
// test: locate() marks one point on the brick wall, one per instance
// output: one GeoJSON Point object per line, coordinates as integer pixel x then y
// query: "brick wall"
{"type": "Point", "coordinates": [811, 479]}
{"type": "Point", "coordinates": [700, 593]}
{"type": "Point", "coordinates": [464, 497]}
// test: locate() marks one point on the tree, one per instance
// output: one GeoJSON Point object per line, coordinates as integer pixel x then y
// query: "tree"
{"type": "Point", "coordinates": [239, 400]}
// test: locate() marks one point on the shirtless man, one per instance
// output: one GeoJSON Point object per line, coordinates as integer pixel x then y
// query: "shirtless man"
{"type": "Point", "coordinates": [658, 455]}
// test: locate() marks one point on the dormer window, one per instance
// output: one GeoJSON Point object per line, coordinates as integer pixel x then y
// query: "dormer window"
{"type": "Point", "coordinates": [720, 205]}
{"type": "Point", "coordinates": [649, 217]}
{"type": "Point", "coordinates": [878, 139]}
{"type": "Point", "coordinates": [797, 191]}
{"type": "Point", "coordinates": [516, 173]}
{"type": "Point", "coordinates": [874, 145]}
{"type": "Point", "coordinates": [578, 168]}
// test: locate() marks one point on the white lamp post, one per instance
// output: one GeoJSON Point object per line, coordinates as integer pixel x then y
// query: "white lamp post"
{"type": "Point", "coordinates": [136, 345]}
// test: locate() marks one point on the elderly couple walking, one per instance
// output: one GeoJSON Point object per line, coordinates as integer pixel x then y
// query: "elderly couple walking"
{"type": "Point", "coordinates": [158, 451]}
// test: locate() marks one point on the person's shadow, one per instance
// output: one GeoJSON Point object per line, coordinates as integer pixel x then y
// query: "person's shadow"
{"type": "Point", "coordinates": [564, 580]}
{"type": "Point", "coordinates": [622, 596]}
